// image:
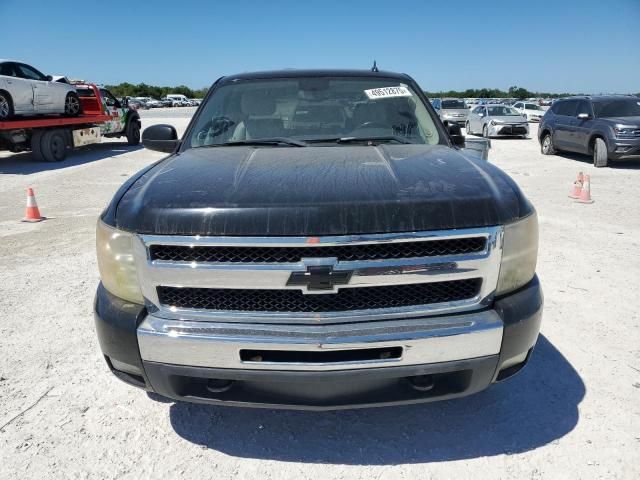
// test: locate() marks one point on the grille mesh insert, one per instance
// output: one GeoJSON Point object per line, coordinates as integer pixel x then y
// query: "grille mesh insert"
{"type": "Point", "coordinates": [359, 298]}
{"type": "Point", "coordinates": [374, 251]}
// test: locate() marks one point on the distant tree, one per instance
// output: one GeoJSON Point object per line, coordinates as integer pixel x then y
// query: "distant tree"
{"type": "Point", "coordinates": [520, 93]}
{"type": "Point", "coordinates": [144, 90]}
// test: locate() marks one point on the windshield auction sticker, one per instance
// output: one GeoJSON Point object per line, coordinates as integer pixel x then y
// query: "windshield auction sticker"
{"type": "Point", "coordinates": [387, 92]}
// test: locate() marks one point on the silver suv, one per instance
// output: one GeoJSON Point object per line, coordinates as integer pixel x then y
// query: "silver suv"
{"type": "Point", "coordinates": [451, 110]}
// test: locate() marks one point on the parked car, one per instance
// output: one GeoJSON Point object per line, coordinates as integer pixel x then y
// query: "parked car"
{"type": "Point", "coordinates": [606, 127]}
{"type": "Point", "coordinates": [340, 251]}
{"type": "Point", "coordinates": [151, 102]}
{"type": "Point", "coordinates": [166, 102]}
{"type": "Point", "coordinates": [143, 101]}
{"type": "Point", "coordinates": [26, 91]}
{"type": "Point", "coordinates": [496, 120]}
{"type": "Point", "coordinates": [451, 110]}
{"type": "Point", "coordinates": [173, 102]}
{"type": "Point", "coordinates": [471, 102]}
{"type": "Point", "coordinates": [531, 111]}
{"type": "Point", "coordinates": [134, 103]}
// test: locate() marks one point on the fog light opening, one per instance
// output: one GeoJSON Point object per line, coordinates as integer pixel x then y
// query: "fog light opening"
{"type": "Point", "coordinates": [422, 383]}
{"type": "Point", "coordinates": [216, 385]}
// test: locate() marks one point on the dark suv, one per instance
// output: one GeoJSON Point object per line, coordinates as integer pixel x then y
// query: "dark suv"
{"type": "Point", "coordinates": [606, 127]}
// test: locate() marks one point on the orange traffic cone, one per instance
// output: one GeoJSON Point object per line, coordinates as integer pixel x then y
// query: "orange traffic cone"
{"type": "Point", "coordinates": [577, 187]}
{"type": "Point", "coordinates": [33, 214]}
{"type": "Point", "coordinates": [585, 193]}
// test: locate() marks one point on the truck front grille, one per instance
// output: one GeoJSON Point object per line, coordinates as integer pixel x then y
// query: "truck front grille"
{"type": "Point", "coordinates": [311, 280]}
{"type": "Point", "coordinates": [293, 254]}
{"type": "Point", "coordinates": [347, 299]}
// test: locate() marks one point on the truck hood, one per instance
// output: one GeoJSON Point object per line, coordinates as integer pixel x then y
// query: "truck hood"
{"type": "Point", "coordinates": [309, 191]}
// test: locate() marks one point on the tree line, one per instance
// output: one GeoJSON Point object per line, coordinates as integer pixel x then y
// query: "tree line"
{"type": "Point", "coordinates": [513, 92]}
{"type": "Point", "coordinates": [143, 90]}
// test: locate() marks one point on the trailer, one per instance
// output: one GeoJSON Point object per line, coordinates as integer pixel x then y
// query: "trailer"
{"type": "Point", "coordinates": [50, 138]}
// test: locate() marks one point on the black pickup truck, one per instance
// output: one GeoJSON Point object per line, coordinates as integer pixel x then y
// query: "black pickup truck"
{"type": "Point", "coordinates": [318, 240]}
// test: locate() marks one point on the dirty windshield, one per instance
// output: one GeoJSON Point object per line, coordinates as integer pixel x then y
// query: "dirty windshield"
{"type": "Point", "coordinates": [318, 110]}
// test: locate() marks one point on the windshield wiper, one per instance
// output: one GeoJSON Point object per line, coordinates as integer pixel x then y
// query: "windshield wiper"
{"type": "Point", "coordinates": [381, 139]}
{"type": "Point", "coordinates": [262, 141]}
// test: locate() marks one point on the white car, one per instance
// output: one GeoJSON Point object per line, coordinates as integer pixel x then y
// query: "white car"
{"type": "Point", "coordinates": [153, 103]}
{"type": "Point", "coordinates": [530, 111]}
{"type": "Point", "coordinates": [26, 91]}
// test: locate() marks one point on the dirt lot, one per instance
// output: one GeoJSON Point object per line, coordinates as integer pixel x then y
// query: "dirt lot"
{"type": "Point", "coordinates": [574, 412]}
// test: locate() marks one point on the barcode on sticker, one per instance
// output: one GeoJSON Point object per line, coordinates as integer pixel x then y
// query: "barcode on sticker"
{"type": "Point", "coordinates": [387, 92]}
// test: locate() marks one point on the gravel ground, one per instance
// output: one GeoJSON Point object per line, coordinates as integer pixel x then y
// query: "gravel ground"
{"type": "Point", "coordinates": [572, 413]}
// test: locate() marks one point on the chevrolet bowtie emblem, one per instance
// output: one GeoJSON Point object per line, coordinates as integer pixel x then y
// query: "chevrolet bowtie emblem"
{"type": "Point", "coordinates": [319, 278]}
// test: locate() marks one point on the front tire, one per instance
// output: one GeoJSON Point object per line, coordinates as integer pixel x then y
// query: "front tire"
{"type": "Point", "coordinates": [133, 132]}
{"type": "Point", "coordinates": [6, 106]}
{"type": "Point", "coordinates": [468, 128]}
{"type": "Point", "coordinates": [546, 146]}
{"type": "Point", "coordinates": [485, 131]}
{"type": "Point", "coordinates": [600, 154]}
{"type": "Point", "coordinates": [72, 106]}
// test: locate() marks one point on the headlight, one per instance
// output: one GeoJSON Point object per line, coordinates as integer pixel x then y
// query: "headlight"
{"type": "Point", "coordinates": [624, 131]}
{"type": "Point", "coordinates": [116, 263]}
{"type": "Point", "coordinates": [519, 254]}
{"type": "Point", "coordinates": [492, 122]}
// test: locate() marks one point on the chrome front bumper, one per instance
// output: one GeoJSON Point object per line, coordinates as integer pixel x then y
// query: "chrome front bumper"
{"type": "Point", "coordinates": [218, 345]}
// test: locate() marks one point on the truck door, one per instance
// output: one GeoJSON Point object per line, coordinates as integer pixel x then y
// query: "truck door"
{"type": "Point", "coordinates": [114, 109]}
{"type": "Point", "coordinates": [42, 90]}
{"type": "Point", "coordinates": [21, 90]}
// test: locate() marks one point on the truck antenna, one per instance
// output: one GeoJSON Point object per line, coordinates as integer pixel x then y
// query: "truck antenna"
{"type": "Point", "coordinates": [375, 67]}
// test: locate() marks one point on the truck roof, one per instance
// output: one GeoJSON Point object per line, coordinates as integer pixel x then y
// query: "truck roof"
{"type": "Point", "coordinates": [295, 73]}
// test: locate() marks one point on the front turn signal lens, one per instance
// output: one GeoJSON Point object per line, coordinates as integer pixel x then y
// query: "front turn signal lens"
{"type": "Point", "coordinates": [116, 263]}
{"type": "Point", "coordinates": [519, 254]}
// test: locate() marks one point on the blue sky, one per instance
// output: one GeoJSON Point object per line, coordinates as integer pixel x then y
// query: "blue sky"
{"type": "Point", "coordinates": [586, 46]}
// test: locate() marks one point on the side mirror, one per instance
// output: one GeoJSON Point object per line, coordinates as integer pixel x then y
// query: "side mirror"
{"type": "Point", "coordinates": [584, 116]}
{"type": "Point", "coordinates": [49, 78]}
{"type": "Point", "coordinates": [161, 138]}
{"type": "Point", "coordinates": [456, 134]}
